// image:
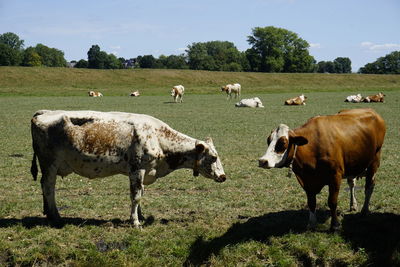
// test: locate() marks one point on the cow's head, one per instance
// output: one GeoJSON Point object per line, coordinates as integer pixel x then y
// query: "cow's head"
{"type": "Point", "coordinates": [207, 161]}
{"type": "Point", "coordinates": [174, 92]}
{"type": "Point", "coordinates": [280, 148]}
{"type": "Point", "coordinates": [223, 88]}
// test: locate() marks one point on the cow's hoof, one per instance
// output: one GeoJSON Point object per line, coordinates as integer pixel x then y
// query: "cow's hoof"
{"type": "Point", "coordinates": [334, 228]}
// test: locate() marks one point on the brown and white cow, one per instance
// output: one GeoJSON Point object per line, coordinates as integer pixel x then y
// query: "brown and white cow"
{"type": "Point", "coordinates": [95, 94]}
{"type": "Point", "coordinates": [136, 93]}
{"type": "Point", "coordinates": [232, 88]}
{"type": "Point", "coordinates": [375, 98]}
{"type": "Point", "coordinates": [299, 100]}
{"type": "Point", "coordinates": [177, 92]}
{"type": "Point", "coordinates": [99, 144]}
{"type": "Point", "coordinates": [328, 149]}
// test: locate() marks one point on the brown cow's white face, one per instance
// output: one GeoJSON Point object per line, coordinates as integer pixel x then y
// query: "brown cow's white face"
{"type": "Point", "coordinates": [279, 143]}
{"type": "Point", "coordinates": [209, 163]}
{"type": "Point", "coordinates": [277, 150]}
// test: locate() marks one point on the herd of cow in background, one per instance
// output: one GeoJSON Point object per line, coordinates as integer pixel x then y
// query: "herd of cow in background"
{"type": "Point", "coordinates": [99, 144]}
{"type": "Point", "coordinates": [235, 90]}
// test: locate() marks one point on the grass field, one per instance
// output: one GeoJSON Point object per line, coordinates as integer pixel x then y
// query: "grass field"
{"type": "Point", "coordinates": [257, 217]}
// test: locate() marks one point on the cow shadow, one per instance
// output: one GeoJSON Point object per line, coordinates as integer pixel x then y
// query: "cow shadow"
{"type": "Point", "coordinates": [260, 229]}
{"type": "Point", "coordinates": [378, 234]}
{"type": "Point", "coordinates": [31, 222]}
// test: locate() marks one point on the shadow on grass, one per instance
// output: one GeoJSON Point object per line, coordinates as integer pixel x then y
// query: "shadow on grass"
{"type": "Point", "coordinates": [378, 234]}
{"type": "Point", "coordinates": [258, 228]}
{"type": "Point", "coordinates": [31, 222]}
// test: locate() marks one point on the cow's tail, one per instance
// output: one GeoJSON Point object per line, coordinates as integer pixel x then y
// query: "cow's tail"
{"type": "Point", "coordinates": [34, 168]}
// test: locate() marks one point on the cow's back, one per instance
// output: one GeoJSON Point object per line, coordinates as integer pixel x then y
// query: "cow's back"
{"type": "Point", "coordinates": [348, 140]}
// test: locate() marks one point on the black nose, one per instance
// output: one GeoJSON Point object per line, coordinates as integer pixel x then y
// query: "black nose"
{"type": "Point", "coordinates": [262, 163]}
{"type": "Point", "coordinates": [221, 178]}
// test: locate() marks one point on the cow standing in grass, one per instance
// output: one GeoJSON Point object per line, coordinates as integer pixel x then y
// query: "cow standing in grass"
{"type": "Point", "coordinates": [99, 144]}
{"type": "Point", "coordinates": [232, 89]}
{"type": "Point", "coordinates": [177, 93]}
{"type": "Point", "coordinates": [328, 149]}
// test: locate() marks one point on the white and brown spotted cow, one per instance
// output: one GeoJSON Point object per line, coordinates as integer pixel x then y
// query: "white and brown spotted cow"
{"type": "Point", "coordinates": [296, 101]}
{"type": "Point", "coordinates": [99, 144]}
{"type": "Point", "coordinates": [328, 149]}
{"type": "Point", "coordinates": [177, 92]}
{"type": "Point", "coordinates": [232, 89]}
{"type": "Point", "coordinates": [375, 98]}
{"type": "Point", "coordinates": [135, 93]}
{"type": "Point", "coordinates": [95, 94]}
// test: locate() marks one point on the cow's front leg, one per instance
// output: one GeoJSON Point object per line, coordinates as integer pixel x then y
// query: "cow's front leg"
{"type": "Point", "coordinates": [312, 204]}
{"type": "Point", "coordinates": [353, 202]}
{"type": "Point", "coordinates": [137, 189]}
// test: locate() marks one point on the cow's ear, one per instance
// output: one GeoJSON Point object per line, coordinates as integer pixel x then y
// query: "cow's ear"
{"type": "Point", "coordinates": [200, 147]}
{"type": "Point", "coordinates": [209, 140]}
{"type": "Point", "coordinates": [298, 140]}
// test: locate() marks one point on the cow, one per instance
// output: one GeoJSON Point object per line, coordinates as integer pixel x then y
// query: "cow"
{"type": "Point", "coordinates": [354, 98]}
{"type": "Point", "coordinates": [254, 102]}
{"type": "Point", "coordinates": [299, 100]}
{"type": "Point", "coordinates": [177, 92]}
{"type": "Point", "coordinates": [95, 94]}
{"type": "Point", "coordinates": [100, 144]}
{"type": "Point", "coordinates": [327, 149]}
{"type": "Point", "coordinates": [375, 98]}
{"type": "Point", "coordinates": [232, 88]}
{"type": "Point", "coordinates": [136, 93]}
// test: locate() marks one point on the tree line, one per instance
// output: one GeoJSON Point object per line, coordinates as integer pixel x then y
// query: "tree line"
{"type": "Point", "coordinates": [272, 50]}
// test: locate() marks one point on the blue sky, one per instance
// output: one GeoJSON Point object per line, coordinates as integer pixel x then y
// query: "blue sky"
{"type": "Point", "coordinates": [362, 30]}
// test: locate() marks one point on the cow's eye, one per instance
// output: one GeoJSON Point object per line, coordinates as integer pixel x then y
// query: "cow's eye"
{"type": "Point", "coordinates": [281, 145]}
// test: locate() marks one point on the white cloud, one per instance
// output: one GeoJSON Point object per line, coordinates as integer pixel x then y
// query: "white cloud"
{"type": "Point", "coordinates": [379, 47]}
{"type": "Point", "coordinates": [315, 45]}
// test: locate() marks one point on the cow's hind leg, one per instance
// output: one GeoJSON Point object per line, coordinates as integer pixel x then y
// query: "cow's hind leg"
{"type": "Point", "coordinates": [137, 189]}
{"type": "Point", "coordinates": [332, 201]}
{"type": "Point", "coordinates": [48, 183]}
{"type": "Point", "coordinates": [370, 183]}
{"type": "Point", "coordinates": [353, 202]}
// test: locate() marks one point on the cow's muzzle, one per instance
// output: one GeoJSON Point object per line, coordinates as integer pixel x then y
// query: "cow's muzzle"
{"type": "Point", "coordinates": [220, 178]}
{"type": "Point", "coordinates": [263, 163]}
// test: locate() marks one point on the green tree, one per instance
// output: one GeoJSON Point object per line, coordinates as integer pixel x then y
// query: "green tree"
{"type": "Point", "coordinates": [146, 61]}
{"type": "Point", "coordinates": [389, 64]}
{"type": "Point", "coordinates": [81, 64]}
{"type": "Point", "coordinates": [342, 65]}
{"type": "Point", "coordinates": [31, 58]}
{"type": "Point", "coordinates": [12, 40]}
{"type": "Point", "coordinates": [278, 50]}
{"type": "Point", "coordinates": [9, 56]}
{"type": "Point", "coordinates": [96, 58]}
{"type": "Point", "coordinates": [51, 57]}
{"type": "Point", "coordinates": [10, 49]}
{"type": "Point", "coordinates": [214, 55]}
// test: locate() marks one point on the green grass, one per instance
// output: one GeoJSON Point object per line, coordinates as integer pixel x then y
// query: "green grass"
{"type": "Point", "coordinates": [43, 81]}
{"type": "Point", "coordinates": [257, 217]}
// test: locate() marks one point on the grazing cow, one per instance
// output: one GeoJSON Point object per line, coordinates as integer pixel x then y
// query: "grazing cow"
{"type": "Point", "coordinates": [232, 88]}
{"type": "Point", "coordinates": [354, 98]}
{"type": "Point", "coordinates": [250, 102]}
{"type": "Point", "coordinates": [299, 100]}
{"type": "Point", "coordinates": [99, 144]}
{"type": "Point", "coordinates": [95, 94]}
{"type": "Point", "coordinates": [327, 149]}
{"type": "Point", "coordinates": [375, 98]}
{"type": "Point", "coordinates": [177, 92]}
{"type": "Point", "coordinates": [136, 93]}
